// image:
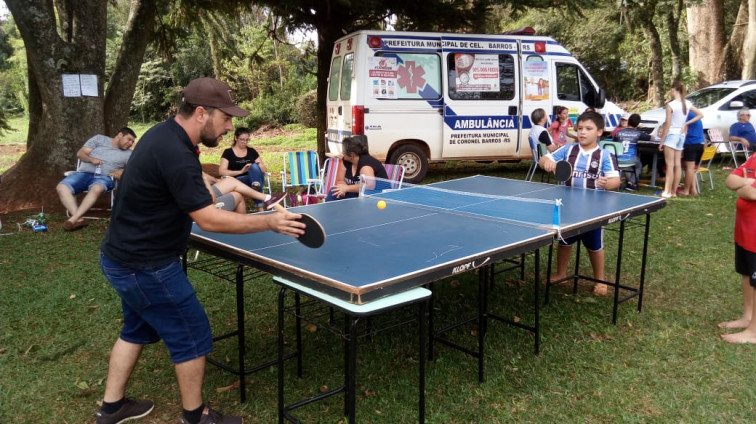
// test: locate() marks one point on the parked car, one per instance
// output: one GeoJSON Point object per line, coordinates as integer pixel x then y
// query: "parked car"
{"type": "Point", "coordinates": [719, 104]}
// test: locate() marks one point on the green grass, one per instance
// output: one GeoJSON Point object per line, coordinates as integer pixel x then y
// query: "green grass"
{"type": "Point", "coordinates": [19, 130]}
{"type": "Point", "coordinates": [664, 365]}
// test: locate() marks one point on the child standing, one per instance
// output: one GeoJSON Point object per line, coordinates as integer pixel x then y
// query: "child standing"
{"type": "Point", "coordinates": [675, 128]}
{"type": "Point", "coordinates": [592, 168]}
{"type": "Point", "coordinates": [743, 182]}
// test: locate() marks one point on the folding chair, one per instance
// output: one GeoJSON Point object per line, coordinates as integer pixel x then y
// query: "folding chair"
{"type": "Point", "coordinates": [329, 172]}
{"type": "Point", "coordinates": [535, 149]}
{"type": "Point", "coordinates": [707, 156]}
{"type": "Point", "coordinates": [112, 195]}
{"type": "Point", "coordinates": [395, 175]}
{"type": "Point", "coordinates": [301, 169]}
{"type": "Point", "coordinates": [735, 148]}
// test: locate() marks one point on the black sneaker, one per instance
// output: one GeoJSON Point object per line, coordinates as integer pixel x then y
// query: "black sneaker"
{"type": "Point", "coordinates": [130, 410]}
{"type": "Point", "coordinates": [274, 200]}
{"type": "Point", "coordinates": [215, 417]}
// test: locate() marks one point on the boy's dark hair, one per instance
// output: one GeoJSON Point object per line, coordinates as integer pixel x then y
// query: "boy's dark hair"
{"type": "Point", "coordinates": [593, 117]}
{"type": "Point", "coordinates": [537, 115]}
{"type": "Point", "coordinates": [127, 131]}
{"type": "Point", "coordinates": [634, 120]}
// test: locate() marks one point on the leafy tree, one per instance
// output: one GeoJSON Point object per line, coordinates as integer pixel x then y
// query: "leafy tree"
{"type": "Point", "coordinates": [65, 37]}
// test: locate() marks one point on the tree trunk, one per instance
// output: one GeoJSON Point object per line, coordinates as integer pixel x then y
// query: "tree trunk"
{"type": "Point", "coordinates": [731, 66]}
{"type": "Point", "coordinates": [139, 30]}
{"type": "Point", "coordinates": [656, 91]}
{"type": "Point", "coordinates": [706, 40]}
{"type": "Point", "coordinates": [749, 47]}
{"type": "Point", "coordinates": [73, 43]}
{"type": "Point", "coordinates": [673, 24]}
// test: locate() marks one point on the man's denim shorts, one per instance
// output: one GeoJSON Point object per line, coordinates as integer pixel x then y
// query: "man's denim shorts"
{"type": "Point", "coordinates": [159, 304]}
{"type": "Point", "coordinates": [83, 181]}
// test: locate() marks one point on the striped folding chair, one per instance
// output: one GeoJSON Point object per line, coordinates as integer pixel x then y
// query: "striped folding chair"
{"type": "Point", "coordinates": [301, 169]}
{"type": "Point", "coordinates": [395, 175]}
{"type": "Point", "coordinates": [329, 172]}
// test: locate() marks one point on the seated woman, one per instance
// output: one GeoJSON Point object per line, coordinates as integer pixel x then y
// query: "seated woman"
{"type": "Point", "coordinates": [229, 193]}
{"type": "Point", "coordinates": [356, 161]}
{"type": "Point", "coordinates": [243, 162]}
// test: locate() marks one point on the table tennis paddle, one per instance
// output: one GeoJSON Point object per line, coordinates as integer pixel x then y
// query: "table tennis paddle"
{"type": "Point", "coordinates": [563, 171]}
{"type": "Point", "coordinates": [314, 235]}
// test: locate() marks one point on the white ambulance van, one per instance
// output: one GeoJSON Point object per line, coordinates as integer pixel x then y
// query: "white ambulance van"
{"type": "Point", "coordinates": [421, 97]}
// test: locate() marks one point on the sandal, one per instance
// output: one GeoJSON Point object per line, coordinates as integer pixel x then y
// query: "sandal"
{"type": "Point", "coordinates": [600, 289]}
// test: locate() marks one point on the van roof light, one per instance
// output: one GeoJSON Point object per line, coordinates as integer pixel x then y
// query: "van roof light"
{"type": "Point", "coordinates": [521, 31]}
{"type": "Point", "coordinates": [375, 42]}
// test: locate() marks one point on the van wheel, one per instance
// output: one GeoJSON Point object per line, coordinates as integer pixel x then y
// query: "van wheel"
{"type": "Point", "coordinates": [413, 160]}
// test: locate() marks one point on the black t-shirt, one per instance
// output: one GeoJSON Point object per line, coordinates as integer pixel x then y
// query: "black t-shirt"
{"type": "Point", "coordinates": [236, 163]}
{"type": "Point", "coordinates": [365, 160]}
{"type": "Point", "coordinates": [150, 226]}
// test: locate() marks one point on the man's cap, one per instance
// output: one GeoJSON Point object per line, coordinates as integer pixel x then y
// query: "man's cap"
{"type": "Point", "coordinates": [625, 116]}
{"type": "Point", "coordinates": [210, 92]}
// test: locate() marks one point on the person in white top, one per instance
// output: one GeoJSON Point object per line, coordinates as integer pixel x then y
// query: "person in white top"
{"type": "Point", "coordinates": [675, 128]}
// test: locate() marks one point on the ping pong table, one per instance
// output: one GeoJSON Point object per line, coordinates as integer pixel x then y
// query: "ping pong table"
{"type": "Point", "coordinates": [430, 232]}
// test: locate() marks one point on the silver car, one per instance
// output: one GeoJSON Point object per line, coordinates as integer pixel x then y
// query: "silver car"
{"type": "Point", "coordinates": [719, 104]}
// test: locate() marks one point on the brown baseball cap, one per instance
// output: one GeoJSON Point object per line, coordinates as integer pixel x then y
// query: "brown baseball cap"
{"type": "Point", "coordinates": [212, 93]}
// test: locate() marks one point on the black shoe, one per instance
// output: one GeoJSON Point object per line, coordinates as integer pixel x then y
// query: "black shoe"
{"type": "Point", "coordinates": [215, 417]}
{"type": "Point", "coordinates": [631, 188]}
{"type": "Point", "coordinates": [130, 410]}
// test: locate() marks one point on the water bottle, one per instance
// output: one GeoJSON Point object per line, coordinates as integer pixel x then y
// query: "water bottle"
{"type": "Point", "coordinates": [98, 168]}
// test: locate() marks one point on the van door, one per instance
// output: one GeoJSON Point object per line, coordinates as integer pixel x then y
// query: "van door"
{"type": "Point", "coordinates": [574, 90]}
{"type": "Point", "coordinates": [481, 114]}
{"type": "Point", "coordinates": [537, 84]}
{"type": "Point", "coordinates": [339, 100]}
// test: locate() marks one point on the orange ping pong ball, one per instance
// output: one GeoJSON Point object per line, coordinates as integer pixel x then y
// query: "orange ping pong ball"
{"type": "Point", "coordinates": [381, 204]}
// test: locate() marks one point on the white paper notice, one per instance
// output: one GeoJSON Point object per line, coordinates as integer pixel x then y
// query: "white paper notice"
{"type": "Point", "coordinates": [88, 85]}
{"type": "Point", "coordinates": [71, 85]}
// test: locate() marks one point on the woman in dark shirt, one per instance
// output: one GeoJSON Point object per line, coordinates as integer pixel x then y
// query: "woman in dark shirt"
{"type": "Point", "coordinates": [243, 162]}
{"type": "Point", "coordinates": [356, 161]}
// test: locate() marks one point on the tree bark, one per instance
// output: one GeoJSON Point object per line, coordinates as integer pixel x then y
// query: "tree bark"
{"type": "Point", "coordinates": [749, 47]}
{"type": "Point", "coordinates": [673, 24]}
{"type": "Point", "coordinates": [656, 91]}
{"type": "Point", "coordinates": [139, 30]}
{"type": "Point", "coordinates": [706, 40]}
{"type": "Point", "coordinates": [731, 66]}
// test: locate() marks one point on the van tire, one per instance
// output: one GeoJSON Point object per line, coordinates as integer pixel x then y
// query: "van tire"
{"type": "Point", "coordinates": [414, 161]}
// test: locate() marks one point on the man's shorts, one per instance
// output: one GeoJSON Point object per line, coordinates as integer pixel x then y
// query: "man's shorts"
{"type": "Point", "coordinates": [83, 181]}
{"type": "Point", "coordinates": [745, 263]}
{"type": "Point", "coordinates": [674, 141]}
{"type": "Point", "coordinates": [224, 201]}
{"type": "Point", "coordinates": [160, 303]}
{"type": "Point", "coordinates": [692, 152]}
{"type": "Point", "coordinates": [592, 240]}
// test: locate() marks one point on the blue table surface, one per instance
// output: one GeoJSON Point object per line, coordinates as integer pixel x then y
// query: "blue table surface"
{"type": "Point", "coordinates": [368, 248]}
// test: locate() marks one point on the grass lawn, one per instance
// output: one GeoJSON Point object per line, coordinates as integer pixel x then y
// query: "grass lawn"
{"type": "Point", "coordinates": [663, 365]}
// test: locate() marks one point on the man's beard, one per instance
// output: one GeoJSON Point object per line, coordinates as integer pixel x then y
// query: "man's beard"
{"type": "Point", "coordinates": [206, 136]}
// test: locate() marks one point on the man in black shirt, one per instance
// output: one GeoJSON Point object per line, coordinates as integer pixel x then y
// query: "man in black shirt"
{"type": "Point", "coordinates": [159, 196]}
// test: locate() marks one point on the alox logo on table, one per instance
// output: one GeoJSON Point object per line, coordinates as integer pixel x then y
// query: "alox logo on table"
{"type": "Point", "coordinates": [469, 266]}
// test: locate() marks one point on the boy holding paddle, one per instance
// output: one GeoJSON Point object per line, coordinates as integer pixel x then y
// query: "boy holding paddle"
{"type": "Point", "coordinates": [594, 168]}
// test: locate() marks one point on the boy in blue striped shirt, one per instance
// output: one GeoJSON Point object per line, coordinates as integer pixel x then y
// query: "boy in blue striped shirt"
{"type": "Point", "coordinates": [594, 168]}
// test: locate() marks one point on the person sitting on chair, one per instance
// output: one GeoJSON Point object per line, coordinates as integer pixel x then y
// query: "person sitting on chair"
{"type": "Point", "coordinates": [742, 131]}
{"type": "Point", "coordinates": [101, 161]}
{"type": "Point", "coordinates": [356, 161]}
{"type": "Point", "coordinates": [539, 132]}
{"type": "Point", "coordinates": [229, 193]}
{"type": "Point", "coordinates": [629, 137]}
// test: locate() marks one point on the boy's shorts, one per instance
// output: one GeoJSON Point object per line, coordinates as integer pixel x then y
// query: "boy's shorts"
{"type": "Point", "coordinates": [592, 240]}
{"type": "Point", "coordinates": [83, 181]}
{"type": "Point", "coordinates": [160, 303]}
{"type": "Point", "coordinates": [674, 141]}
{"type": "Point", "coordinates": [692, 152]}
{"type": "Point", "coordinates": [745, 263]}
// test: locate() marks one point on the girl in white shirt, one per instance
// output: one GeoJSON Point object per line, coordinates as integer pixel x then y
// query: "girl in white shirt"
{"type": "Point", "coordinates": [675, 128]}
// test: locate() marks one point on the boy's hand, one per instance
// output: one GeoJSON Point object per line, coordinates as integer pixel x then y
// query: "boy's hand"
{"type": "Point", "coordinates": [549, 166]}
{"type": "Point", "coordinates": [601, 182]}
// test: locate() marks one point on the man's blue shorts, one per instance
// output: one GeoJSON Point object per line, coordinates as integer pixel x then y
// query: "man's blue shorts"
{"type": "Point", "coordinates": [592, 240]}
{"type": "Point", "coordinates": [83, 181]}
{"type": "Point", "coordinates": [160, 303]}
